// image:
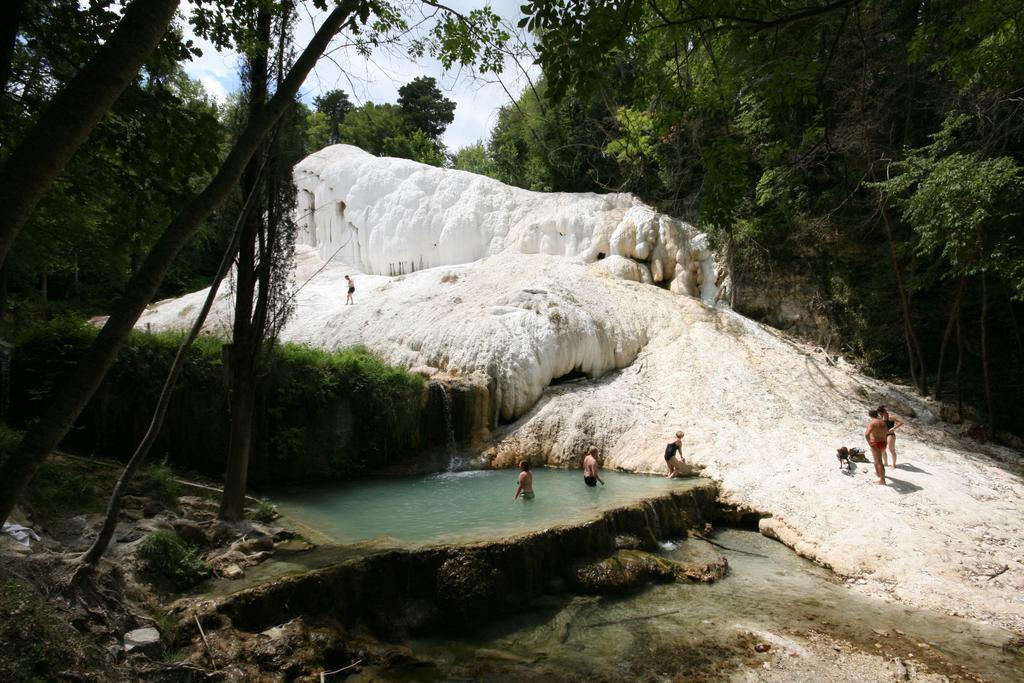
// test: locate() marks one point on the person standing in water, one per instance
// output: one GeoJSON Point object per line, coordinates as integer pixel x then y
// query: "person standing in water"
{"type": "Point", "coordinates": [891, 424]}
{"type": "Point", "coordinates": [351, 290]}
{"type": "Point", "coordinates": [675, 464]}
{"type": "Point", "coordinates": [876, 434]}
{"type": "Point", "coordinates": [590, 468]}
{"type": "Point", "coordinates": [525, 481]}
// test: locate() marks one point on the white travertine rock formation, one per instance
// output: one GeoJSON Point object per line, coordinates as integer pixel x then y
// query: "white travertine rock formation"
{"type": "Point", "coordinates": [762, 413]}
{"type": "Point", "coordinates": [395, 216]}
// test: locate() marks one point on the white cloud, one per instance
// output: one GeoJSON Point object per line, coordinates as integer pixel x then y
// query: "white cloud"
{"type": "Point", "coordinates": [378, 77]}
{"type": "Point", "coordinates": [214, 88]}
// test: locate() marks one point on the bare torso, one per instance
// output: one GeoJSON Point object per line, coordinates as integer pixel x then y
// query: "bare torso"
{"type": "Point", "coordinates": [877, 431]}
{"type": "Point", "coordinates": [589, 466]}
{"type": "Point", "coordinates": [526, 482]}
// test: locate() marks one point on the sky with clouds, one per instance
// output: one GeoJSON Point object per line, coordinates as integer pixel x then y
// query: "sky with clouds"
{"type": "Point", "coordinates": [378, 77]}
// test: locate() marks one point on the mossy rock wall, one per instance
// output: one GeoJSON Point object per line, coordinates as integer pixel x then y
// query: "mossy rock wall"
{"type": "Point", "coordinates": [319, 414]}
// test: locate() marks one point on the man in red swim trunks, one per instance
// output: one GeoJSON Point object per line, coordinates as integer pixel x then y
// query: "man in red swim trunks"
{"type": "Point", "coordinates": [875, 434]}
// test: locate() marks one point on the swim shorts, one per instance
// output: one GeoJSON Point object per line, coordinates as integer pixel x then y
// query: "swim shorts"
{"type": "Point", "coordinates": [528, 495]}
{"type": "Point", "coordinates": [590, 481]}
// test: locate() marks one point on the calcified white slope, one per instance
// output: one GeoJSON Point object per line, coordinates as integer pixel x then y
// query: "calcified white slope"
{"type": "Point", "coordinates": [392, 216]}
{"type": "Point", "coordinates": [763, 415]}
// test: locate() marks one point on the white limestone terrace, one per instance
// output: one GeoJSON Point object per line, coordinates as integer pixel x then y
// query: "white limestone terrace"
{"type": "Point", "coordinates": [763, 414]}
{"type": "Point", "coordinates": [397, 216]}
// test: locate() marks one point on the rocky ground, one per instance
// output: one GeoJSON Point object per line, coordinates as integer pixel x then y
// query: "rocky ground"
{"type": "Point", "coordinates": [114, 623]}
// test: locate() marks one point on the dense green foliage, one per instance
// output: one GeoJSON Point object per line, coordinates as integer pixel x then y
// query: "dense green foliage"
{"type": "Point", "coordinates": [170, 561]}
{"type": "Point", "coordinates": [327, 413]}
{"type": "Point", "coordinates": [410, 129]}
{"type": "Point", "coordinates": [152, 151]}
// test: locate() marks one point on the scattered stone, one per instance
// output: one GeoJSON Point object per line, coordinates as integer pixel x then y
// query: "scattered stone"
{"type": "Point", "coordinates": [190, 532]}
{"type": "Point", "coordinates": [902, 674]}
{"type": "Point", "coordinates": [130, 536]}
{"type": "Point", "coordinates": [627, 570]}
{"type": "Point", "coordinates": [142, 640]}
{"type": "Point", "coordinates": [232, 571]}
{"type": "Point", "coordinates": [628, 542]}
{"type": "Point", "coordinates": [762, 647]}
{"type": "Point", "coordinates": [253, 545]}
{"type": "Point", "coordinates": [152, 508]}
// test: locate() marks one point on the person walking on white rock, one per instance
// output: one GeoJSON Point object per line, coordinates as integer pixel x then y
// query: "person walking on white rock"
{"type": "Point", "coordinates": [590, 468]}
{"type": "Point", "coordinates": [891, 424]}
{"type": "Point", "coordinates": [525, 481]}
{"type": "Point", "coordinates": [351, 290]}
{"type": "Point", "coordinates": [876, 434]}
{"type": "Point", "coordinates": [672, 450]}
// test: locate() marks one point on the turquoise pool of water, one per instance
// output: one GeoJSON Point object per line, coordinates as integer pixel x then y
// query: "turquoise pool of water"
{"type": "Point", "coordinates": [461, 506]}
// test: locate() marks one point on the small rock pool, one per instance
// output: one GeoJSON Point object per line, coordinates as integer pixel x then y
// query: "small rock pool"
{"type": "Point", "coordinates": [462, 507]}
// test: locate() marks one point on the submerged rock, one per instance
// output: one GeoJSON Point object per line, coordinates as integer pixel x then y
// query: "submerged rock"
{"type": "Point", "coordinates": [467, 587]}
{"type": "Point", "coordinates": [628, 570]}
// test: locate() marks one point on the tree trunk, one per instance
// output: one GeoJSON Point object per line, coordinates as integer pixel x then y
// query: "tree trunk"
{"type": "Point", "coordinates": [959, 367]}
{"type": "Point", "coordinates": [917, 366]}
{"type": "Point", "coordinates": [954, 314]}
{"type": "Point", "coordinates": [96, 550]}
{"type": "Point", "coordinates": [72, 397]}
{"type": "Point", "coordinates": [984, 351]}
{"type": "Point", "coordinates": [246, 332]}
{"type": "Point", "coordinates": [72, 114]}
{"type": "Point", "coordinates": [236, 475]}
{"type": "Point", "coordinates": [10, 18]}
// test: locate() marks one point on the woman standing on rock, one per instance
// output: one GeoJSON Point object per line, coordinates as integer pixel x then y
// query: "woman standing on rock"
{"type": "Point", "coordinates": [892, 424]}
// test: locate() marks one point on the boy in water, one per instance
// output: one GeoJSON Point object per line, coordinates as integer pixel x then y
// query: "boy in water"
{"type": "Point", "coordinates": [590, 468]}
{"type": "Point", "coordinates": [525, 482]}
{"type": "Point", "coordinates": [675, 465]}
{"type": "Point", "coordinates": [875, 434]}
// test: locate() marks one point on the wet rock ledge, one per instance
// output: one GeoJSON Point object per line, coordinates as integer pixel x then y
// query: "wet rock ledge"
{"type": "Point", "coordinates": [397, 593]}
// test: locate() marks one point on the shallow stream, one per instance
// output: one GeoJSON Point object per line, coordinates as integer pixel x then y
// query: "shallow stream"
{"type": "Point", "coordinates": [699, 631]}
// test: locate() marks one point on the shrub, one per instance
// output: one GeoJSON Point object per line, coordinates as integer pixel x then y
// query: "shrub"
{"type": "Point", "coordinates": [168, 559]}
{"type": "Point", "coordinates": [265, 512]}
{"type": "Point", "coordinates": [162, 484]}
{"type": "Point", "coordinates": [62, 487]}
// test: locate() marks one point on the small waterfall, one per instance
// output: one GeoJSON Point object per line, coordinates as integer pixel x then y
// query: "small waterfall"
{"type": "Point", "coordinates": [5, 380]}
{"type": "Point", "coordinates": [451, 448]}
{"type": "Point", "coordinates": [655, 522]}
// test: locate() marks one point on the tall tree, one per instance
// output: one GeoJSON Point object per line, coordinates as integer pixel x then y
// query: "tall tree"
{"type": "Point", "coordinates": [424, 107]}
{"type": "Point", "coordinates": [265, 252]}
{"type": "Point", "coordinates": [75, 111]}
{"type": "Point", "coordinates": [335, 105]}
